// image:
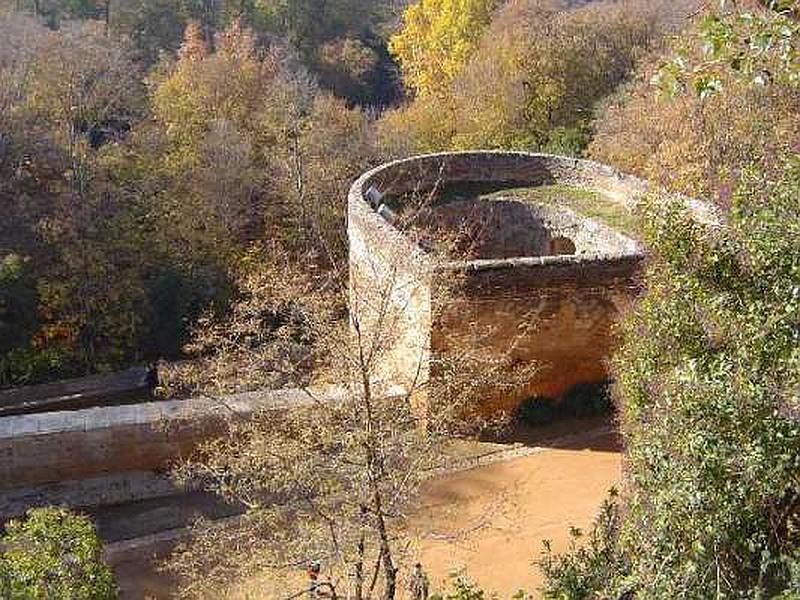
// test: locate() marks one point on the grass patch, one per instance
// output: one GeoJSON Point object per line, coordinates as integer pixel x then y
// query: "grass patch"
{"type": "Point", "coordinates": [588, 203]}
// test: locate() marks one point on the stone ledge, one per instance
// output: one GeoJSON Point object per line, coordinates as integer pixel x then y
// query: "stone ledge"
{"type": "Point", "coordinates": [94, 491]}
{"type": "Point", "coordinates": [47, 448]}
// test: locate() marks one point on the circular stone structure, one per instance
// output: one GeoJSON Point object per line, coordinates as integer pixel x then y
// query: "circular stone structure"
{"type": "Point", "coordinates": [538, 282]}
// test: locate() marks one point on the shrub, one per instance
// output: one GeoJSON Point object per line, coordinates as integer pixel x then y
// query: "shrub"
{"type": "Point", "coordinates": [593, 563]}
{"type": "Point", "coordinates": [29, 365]}
{"type": "Point", "coordinates": [464, 589]}
{"type": "Point", "coordinates": [55, 555]}
{"type": "Point", "coordinates": [708, 378]}
{"type": "Point", "coordinates": [18, 298]}
{"type": "Point", "coordinates": [709, 367]}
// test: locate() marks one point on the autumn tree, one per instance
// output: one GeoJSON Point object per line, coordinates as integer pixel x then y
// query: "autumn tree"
{"type": "Point", "coordinates": [87, 93]}
{"type": "Point", "coordinates": [131, 210]}
{"type": "Point", "coordinates": [54, 12]}
{"type": "Point", "coordinates": [28, 160]}
{"type": "Point", "coordinates": [710, 121]}
{"type": "Point", "coordinates": [264, 340]}
{"type": "Point", "coordinates": [153, 27]}
{"type": "Point", "coordinates": [244, 155]}
{"type": "Point", "coordinates": [328, 477]}
{"type": "Point", "coordinates": [259, 115]}
{"type": "Point", "coordinates": [309, 23]}
{"type": "Point", "coordinates": [346, 66]}
{"type": "Point", "coordinates": [534, 80]}
{"type": "Point", "coordinates": [436, 40]}
{"type": "Point", "coordinates": [67, 100]}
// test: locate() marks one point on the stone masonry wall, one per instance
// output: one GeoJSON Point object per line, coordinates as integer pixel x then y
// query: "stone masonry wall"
{"type": "Point", "coordinates": [558, 311]}
{"type": "Point", "coordinates": [526, 169]}
{"type": "Point", "coordinates": [507, 228]}
{"type": "Point", "coordinates": [555, 313]}
{"type": "Point", "coordinates": [84, 445]}
{"type": "Point", "coordinates": [390, 296]}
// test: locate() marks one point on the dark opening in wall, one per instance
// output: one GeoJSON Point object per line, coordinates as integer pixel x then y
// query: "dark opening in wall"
{"type": "Point", "coordinates": [561, 245]}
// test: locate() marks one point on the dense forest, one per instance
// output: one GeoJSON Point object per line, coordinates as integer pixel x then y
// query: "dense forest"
{"type": "Point", "coordinates": [153, 153]}
{"type": "Point", "coordinates": [173, 177]}
{"type": "Point", "coordinates": [149, 148]}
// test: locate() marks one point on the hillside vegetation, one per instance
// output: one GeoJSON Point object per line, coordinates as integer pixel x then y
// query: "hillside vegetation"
{"type": "Point", "coordinates": [173, 176]}
{"type": "Point", "coordinates": [133, 195]}
{"type": "Point", "coordinates": [152, 150]}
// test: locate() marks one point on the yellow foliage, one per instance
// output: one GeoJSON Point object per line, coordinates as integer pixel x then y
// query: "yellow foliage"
{"type": "Point", "coordinates": [426, 125]}
{"type": "Point", "coordinates": [243, 127]}
{"type": "Point", "coordinates": [532, 80]}
{"type": "Point", "coordinates": [437, 39]}
{"type": "Point", "coordinates": [232, 84]}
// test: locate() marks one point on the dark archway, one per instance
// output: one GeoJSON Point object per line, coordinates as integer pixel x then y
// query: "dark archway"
{"type": "Point", "coordinates": [561, 245]}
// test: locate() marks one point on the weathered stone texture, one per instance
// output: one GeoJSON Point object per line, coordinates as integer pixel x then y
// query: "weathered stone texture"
{"type": "Point", "coordinates": [46, 448]}
{"type": "Point", "coordinates": [509, 228]}
{"type": "Point", "coordinates": [390, 295]}
{"type": "Point", "coordinates": [557, 312]}
{"type": "Point", "coordinates": [557, 315]}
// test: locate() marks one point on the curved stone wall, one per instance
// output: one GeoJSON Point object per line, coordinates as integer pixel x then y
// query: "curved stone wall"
{"type": "Point", "coordinates": [515, 168]}
{"type": "Point", "coordinates": [507, 227]}
{"type": "Point", "coordinates": [565, 305]}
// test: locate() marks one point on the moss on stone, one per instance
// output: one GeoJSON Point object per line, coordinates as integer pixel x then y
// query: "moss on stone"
{"type": "Point", "coordinates": [587, 202]}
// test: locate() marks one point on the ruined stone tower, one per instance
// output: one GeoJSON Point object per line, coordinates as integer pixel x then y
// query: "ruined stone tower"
{"type": "Point", "coordinates": [536, 279]}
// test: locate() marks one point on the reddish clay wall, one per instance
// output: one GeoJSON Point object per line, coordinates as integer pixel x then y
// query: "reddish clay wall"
{"type": "Point", "coordinates": [556, 313]}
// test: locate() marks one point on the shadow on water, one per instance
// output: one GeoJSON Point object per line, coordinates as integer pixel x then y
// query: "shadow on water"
{"type": "Point", "coordinates": [598, 433]}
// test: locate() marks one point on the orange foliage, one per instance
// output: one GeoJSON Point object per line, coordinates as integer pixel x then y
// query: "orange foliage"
{"type": "Point", "coordinates": [693, 145]}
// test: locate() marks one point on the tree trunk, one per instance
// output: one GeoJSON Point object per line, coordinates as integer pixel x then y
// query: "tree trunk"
{"type": "Point", "coordinates": [389, 570]}
{"type": "Point", "coordinates": [358, 583]}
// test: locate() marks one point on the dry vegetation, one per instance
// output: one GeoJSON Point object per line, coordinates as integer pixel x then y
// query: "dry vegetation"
{"type": "Point", "coordinates": [135, 198]}
{"type": "Point", "coordinates": [694, 145]}
{"type": "Point", "coordinates": [331, 480]}
{"type": "Point", "coordinates": [534, 78]}
{"type": "Point", "coordinates": [173, 177]}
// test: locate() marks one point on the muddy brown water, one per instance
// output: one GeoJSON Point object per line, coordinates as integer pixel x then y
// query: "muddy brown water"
{"type": "Point", "coordinates": [487, 522]}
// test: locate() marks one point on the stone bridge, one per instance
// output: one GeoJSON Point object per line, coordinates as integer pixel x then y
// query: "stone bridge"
{"type": "Point", "coordinates": [536, 279]}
